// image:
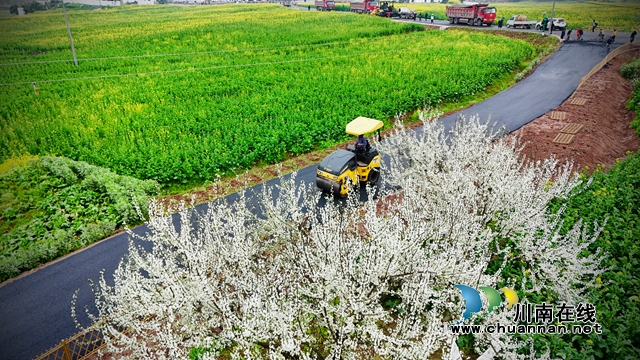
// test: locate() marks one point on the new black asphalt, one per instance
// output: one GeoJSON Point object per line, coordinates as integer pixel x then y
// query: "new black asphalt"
{"type": "Point", "coordinates": [35, 309]}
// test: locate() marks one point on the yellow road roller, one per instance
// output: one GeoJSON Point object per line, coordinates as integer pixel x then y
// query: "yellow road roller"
{"type": "Point", "coordinates": [359, 163]}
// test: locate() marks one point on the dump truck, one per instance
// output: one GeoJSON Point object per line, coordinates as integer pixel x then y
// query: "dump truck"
{"type": "Point", "coordinates": [363, 7]}
{"type": "Point", "coordinates": [477, 14]}
{"type": "Point", "coordinates": [520, 21]}
{"type": "Point", "coordinates": [325, 5]}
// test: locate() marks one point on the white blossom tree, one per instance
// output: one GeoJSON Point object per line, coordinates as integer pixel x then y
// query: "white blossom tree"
{"type": "Point", "coordinates": [349, 280]}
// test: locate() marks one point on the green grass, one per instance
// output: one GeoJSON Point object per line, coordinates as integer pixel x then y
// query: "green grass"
{"type": "Point", "coordinates": [50, 206]}
{"type": "Point", "coordinates": [247, 84]}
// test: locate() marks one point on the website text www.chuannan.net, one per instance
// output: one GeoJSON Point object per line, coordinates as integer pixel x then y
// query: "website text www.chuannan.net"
{"type": "Point", "coordinates": [526, 329]}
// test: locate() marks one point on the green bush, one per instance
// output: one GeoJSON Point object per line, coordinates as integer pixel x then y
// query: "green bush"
{"type": "Point", "coordinates": [614, 196]}
{"type": "Point", "coordinates": [631, 70]}
{"type": "Point", "coordinates": [29, 7]}
{"type": "Point", "coordinates": [51, 206]}
{"type": "Point", "coordinates": [633, 104]}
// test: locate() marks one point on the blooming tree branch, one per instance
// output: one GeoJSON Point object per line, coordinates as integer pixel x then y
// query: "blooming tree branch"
{"type": "Point", "coordinates": [348, 281]}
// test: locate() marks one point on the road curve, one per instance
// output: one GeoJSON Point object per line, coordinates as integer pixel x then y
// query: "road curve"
{"type": "Point", "coordinates": [35, 308]}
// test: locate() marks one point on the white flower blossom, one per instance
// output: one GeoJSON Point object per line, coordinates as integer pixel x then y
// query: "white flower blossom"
{"type": "Point", "coordinates": [354, 280]}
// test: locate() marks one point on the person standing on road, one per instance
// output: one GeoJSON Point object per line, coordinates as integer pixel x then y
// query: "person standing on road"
{"type": "Point", "coordinates": [500, 22]}
{"type": "Point", "coordinates": [613, 35]}
{"type": "Point", "coordinates": [633, 36]}
{"type": "Point", "coordinates": [600, 36]}
{"type": "Point", "coordinates": [608, 44]}
{"type": "Point", "coordinates": [432, 18]}
{"type": "Point", "coordinates": [562, 33]}
{"type": "Point", "coordinates": [593, 25]}
{"type": "Point", "coordinates": [579, 34]}
{"type": "Point", "coordinates": [569, 34]}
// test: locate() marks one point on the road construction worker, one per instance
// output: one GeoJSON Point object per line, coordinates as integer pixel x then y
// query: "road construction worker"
{"type": "Point", "coordinates": [361, 144]}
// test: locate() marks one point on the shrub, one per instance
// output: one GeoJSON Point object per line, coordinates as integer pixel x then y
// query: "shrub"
{"type": "Point", "coordinates": [51, 206]}
{"type": "Point", "coordinates": [29, 7]}
{"type": "Point", "coordinates": [631, 70]}
{"type": "Point", "coordinates": [613, 195]}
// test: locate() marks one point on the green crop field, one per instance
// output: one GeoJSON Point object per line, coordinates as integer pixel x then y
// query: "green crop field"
{"type": "Point", "coordinates": [181, 94]}
{"type": "Point", "coordinates": [623, 16]}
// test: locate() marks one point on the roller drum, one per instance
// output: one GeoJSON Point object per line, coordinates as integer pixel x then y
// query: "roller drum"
{"type": "Point", "coordinates": [328, 185]}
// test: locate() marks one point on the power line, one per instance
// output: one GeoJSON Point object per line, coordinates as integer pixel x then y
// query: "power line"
{"type": "Point", "coordinates": [216, 67]}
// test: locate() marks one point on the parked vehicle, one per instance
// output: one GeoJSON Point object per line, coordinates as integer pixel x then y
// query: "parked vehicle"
{"type": "Point", "coordinates": [364, 7]}
{"type": "Point", "coordinates": [477, 14]}
{"type": "Point", "coordinates": [558, 24]}
{"type": "Point", "coordinates": [520, 21]}
{"type": "Point", "coordinates": [406, 13]}
{"type": "Point", "coordinates": [325, 5]}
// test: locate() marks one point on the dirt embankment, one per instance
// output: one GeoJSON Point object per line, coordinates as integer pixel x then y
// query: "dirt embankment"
{"type": "Point", "coordinates": [605, 134]}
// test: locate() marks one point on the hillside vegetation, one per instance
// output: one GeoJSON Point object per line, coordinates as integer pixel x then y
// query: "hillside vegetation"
{"type": "Point", "coordinates": [50, 206]}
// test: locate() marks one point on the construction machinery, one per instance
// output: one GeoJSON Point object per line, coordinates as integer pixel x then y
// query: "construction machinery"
{"type": "Point", "coordinates": [342, 170]}
{"type": "Point", "coordinates": [387, 10]}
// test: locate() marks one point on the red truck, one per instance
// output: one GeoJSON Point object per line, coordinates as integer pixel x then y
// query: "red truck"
{"type": "Point", "coordinates": [325, 5]}
{"type": "Point", "coordinates": [364, 7]}
{"type": "Point", "coordinates": [477, 14]}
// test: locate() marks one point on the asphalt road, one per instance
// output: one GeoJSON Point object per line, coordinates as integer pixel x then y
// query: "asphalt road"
{"type": "Point", "coordinates": [35, 309]}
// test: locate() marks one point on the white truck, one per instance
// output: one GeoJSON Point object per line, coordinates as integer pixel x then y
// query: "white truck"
{"type": "Point", "coordinates": [407, 13]}
{"type": "Point", "coordinates": [520, 21]}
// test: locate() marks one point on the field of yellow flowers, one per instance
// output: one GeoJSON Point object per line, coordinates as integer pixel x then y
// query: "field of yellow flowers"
{"type": "Point", "coordinates": [181, 94]}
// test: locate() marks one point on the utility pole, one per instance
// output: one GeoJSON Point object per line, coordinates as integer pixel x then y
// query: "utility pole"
{"type": "Point", "coordinates": [552, 10]}
{"type": "Point", "coordinates": [66, 20]}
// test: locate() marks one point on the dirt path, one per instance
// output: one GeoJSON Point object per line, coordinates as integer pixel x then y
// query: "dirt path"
{"type": "Point", "coordinates": [605, 134]}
